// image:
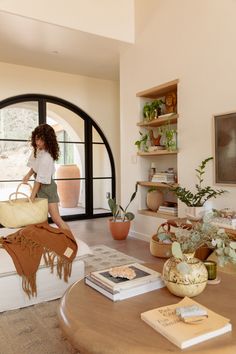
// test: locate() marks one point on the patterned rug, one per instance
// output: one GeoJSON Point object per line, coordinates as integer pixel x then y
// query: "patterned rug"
{"type": "Point", "coordinates": [35, 329]}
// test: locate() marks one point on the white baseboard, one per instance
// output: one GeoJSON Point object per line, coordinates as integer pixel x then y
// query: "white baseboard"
{"type": "Point", "coordinates": [139, 236]}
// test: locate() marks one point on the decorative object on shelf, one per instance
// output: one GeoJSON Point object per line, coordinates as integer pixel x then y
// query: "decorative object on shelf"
{"type": "Point", "coordinates": [171, 102]}
{"type": "Point", "coordinates": [142, 143]}
{"type": "Point", "coordinates": [154, 198]}
{"type": "Point", "coordinates": [68, 190]}
{"type": "Point", "coordinates": [119, 224]}
{"type": "Point", "coordinates": [152, 110]}
{"type": "Point", "coordinates": [155, 141]}
{"type": "Point", "coordinates": [152, 171]}
{"type": "Point", "coordinates": [201, 195]}
{"type": "Point", "coordinates": [184, 275]}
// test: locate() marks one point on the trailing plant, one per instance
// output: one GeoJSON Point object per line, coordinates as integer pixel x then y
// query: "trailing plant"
{"type": "Point", "coordinates": [120, 213]}
{"type": "Point", "coordinates": [142, 142]}
{"type": "Point", "coordinates": [202, 193]}
{"type": "Point", "coordinates": [169, 136]}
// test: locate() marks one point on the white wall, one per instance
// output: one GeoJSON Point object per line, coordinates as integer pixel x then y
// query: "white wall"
{"type": "Point", "coordinates": [98, 98]}
{"type": "Point", "coordinates": [193, 41]}
{"type": "Point", "coordinates": [108, 18]}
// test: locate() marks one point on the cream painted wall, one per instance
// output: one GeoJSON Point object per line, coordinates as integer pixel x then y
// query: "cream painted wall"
{"type": "Point", "coordinates": [192, 41]}
{"type": "Point", "coordinates": [98, 98]}
{"type": "Point", "coordinates": [108, 18]}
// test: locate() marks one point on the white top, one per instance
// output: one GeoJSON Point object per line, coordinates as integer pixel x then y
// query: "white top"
{"type": "Point", "coordinates": [42, 165]}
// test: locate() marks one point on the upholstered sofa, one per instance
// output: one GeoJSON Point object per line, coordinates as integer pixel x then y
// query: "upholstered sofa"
{"type": "Point", "coordinates": [49, 286]}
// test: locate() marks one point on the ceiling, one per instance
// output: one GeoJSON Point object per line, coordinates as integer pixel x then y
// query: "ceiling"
{"type": "Point", "coordinates": [24, 41]}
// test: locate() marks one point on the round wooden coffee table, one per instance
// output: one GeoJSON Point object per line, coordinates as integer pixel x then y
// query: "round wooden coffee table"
{"type": "Point", "coordinates": [96, 325]}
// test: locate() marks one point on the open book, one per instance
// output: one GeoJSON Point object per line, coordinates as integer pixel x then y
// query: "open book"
{"type": "Point", "coordinates": [166, 322]}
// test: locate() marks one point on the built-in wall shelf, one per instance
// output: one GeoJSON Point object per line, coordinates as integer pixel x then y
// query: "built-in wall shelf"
{"type": "Point", "coordinates": [161, 120]}
{"type": "Point", "coordinates": [157, 152]}
{"type": "Point", "coordinates": [156, 184]}
{"type": "Point", "coordinates": [157, 214]}
{"type": "Point", "coordinates": [158, 91]}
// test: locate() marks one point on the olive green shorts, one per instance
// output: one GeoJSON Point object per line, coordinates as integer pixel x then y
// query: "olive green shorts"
{"type": "Point", "coordinates": [49, 191]}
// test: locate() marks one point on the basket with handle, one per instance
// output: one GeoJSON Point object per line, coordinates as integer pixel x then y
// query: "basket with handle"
{"type": "Point", "coordinates": [18, 212]}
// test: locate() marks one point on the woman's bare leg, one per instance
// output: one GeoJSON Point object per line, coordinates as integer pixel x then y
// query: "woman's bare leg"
{"type": "Point", "coordinates": [56, 217]}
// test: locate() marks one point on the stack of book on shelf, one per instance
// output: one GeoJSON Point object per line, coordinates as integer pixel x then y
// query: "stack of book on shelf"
{"type": "Point", "coordinates": [164, 177]}
{"type": "Point", "coordinates": [120, 288]}
{"type": "Point", "coordinates": [186, 323]}
{"type": "Point", "coordinates": [172, 210]}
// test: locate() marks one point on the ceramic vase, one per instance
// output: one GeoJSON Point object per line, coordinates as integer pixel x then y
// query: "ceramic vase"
{"type": "Point", "coordinates": [195, 213]}
{"type": "Point", "coordinates": [154, 200]}
{"type": "Point", "coordinates": [182, 284]}
{"type": "Point", "coordinates": [68, 190]}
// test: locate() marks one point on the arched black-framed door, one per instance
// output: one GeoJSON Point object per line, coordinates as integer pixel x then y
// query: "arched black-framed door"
{"type": "Point", "coordinates": [81, 141]}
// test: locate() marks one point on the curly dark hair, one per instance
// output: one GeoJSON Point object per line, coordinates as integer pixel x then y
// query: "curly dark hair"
{"type": "Point", "coordinates": [47, 134]}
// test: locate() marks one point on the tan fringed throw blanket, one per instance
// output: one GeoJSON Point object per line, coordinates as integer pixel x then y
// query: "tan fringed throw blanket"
{"type": "Point", "coordinates": [27, 246]}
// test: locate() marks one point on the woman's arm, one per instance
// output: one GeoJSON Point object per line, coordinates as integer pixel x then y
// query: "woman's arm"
{"type": "Point", "coordinates": [35, 190]}
{"type": "Point", "coordinates": [27, 176]}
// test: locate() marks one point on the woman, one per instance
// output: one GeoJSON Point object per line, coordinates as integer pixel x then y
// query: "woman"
{"type": "Point", "coordinates": [41, 163]}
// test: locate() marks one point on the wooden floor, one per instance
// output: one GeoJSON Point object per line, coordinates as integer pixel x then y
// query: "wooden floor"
{"type": "Point", "coordinates": [96, 232]}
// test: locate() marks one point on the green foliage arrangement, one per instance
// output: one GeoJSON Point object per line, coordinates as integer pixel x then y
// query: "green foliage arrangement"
{"type": "Point", "coordinates": [188, 241]}
{"type": "Point", "coordinates": [120, 213]}
{"type": "Point", "coordinates": [142, 142]}
{"type": "Point", "coordinates": [152, 109]}
{"type": "Point", "coordinates": [202, 193]}
{"type": "Point", "coordinates": [169, 136]}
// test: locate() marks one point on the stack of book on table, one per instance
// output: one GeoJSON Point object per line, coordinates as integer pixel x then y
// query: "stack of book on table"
{"type": "Point", "coordinates": [186, 323]}
{"type": "Point", "coordinates": [119, 288]}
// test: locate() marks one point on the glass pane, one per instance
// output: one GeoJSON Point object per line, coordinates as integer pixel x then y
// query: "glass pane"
{"type": "Point", "coordinates": [68, 125]}
{"type": "Point", "coordinates": [6, 188]}
{"type": "Point", "coordinates": [13, 159]}
{"type": "Point", "coordinates": [96, 136]}
{"type": "Point", "coordinates": [71, 154]}
{"type": "Point", "coordinates": [101, 161]}
{"type": "Point", "coordinates": [17, 121]}
{"type": "Point", "coordinates": [101, 187]}
{"type": "Point", "coordinates": [72, 197]}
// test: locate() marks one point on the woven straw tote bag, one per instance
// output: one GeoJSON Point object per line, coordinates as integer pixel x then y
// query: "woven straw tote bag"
{"type": "Point", "coordinates": [18, 212]}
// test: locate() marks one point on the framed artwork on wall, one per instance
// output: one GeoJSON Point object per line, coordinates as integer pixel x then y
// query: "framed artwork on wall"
{"type": "Point", "coordinates": [225, 148]}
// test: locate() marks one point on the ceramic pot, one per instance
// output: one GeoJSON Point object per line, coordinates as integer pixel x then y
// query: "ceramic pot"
{"type": "Point", "coordinates": [119, 229]}
{"type": "Point", "coordinates": [195, 213]}
{"type": "Point", "coordinates": [190, 283]}
{"type": "Point", "coordinates": [154, 199]}
{"type": "Point", "coordinates": [68, 190]}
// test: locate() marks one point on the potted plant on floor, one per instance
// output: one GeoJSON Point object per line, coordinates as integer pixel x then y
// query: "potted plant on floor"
{"type": "Point", "coordinates": [119, 224]}
{"type": "Point", "coordinates": [195, 201]}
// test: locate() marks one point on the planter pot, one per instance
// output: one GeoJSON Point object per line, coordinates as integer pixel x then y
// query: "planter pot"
{"type": "Point", "coordinates": [160, 249]}
{"type": "Point", "coordinates": [195, 213]}
{"type": "Point", "coordinates": [154, 200]}
{"type": "Point", "coordinates": [185, 284]}
{"type": "Point", "coordinates": [119, 229]}
{"type": "Point", "coordinates": [68, 190]}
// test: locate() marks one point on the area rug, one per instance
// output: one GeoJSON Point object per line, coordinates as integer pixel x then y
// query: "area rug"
{"type": "Point", "coordinates": [35, 329]}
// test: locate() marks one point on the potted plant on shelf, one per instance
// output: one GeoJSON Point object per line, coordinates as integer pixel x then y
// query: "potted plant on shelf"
{"type": "Point", "coordinates": [152, 110]}
{"type": "Point", "coordinates": [195, 201]}
{"type": "Point", "coordinates": [142, 143]}
{"type": "Point", "coordinates": [119, 224]}
{"type": "Point", "coordinates": [185, 275]}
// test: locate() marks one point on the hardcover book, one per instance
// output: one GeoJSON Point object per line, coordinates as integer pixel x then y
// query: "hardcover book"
{"type": "Point", "coordinates": [144, 275]}
{"type": "Point", "coordinates": [165, 321]}
{"type": "Point", "coordinates": [116, 295]}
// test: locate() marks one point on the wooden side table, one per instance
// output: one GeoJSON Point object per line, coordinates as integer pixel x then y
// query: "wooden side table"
{"type": "Point", "coordinates": [96, 325]}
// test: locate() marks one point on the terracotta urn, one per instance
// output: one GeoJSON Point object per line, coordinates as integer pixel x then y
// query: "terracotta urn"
{"type": "Point", "coordinates": [68, 190]}
{"type": "Point", "coordinates": [119, 229]}
{"type": "Point", "coordinates": [154, 199]}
